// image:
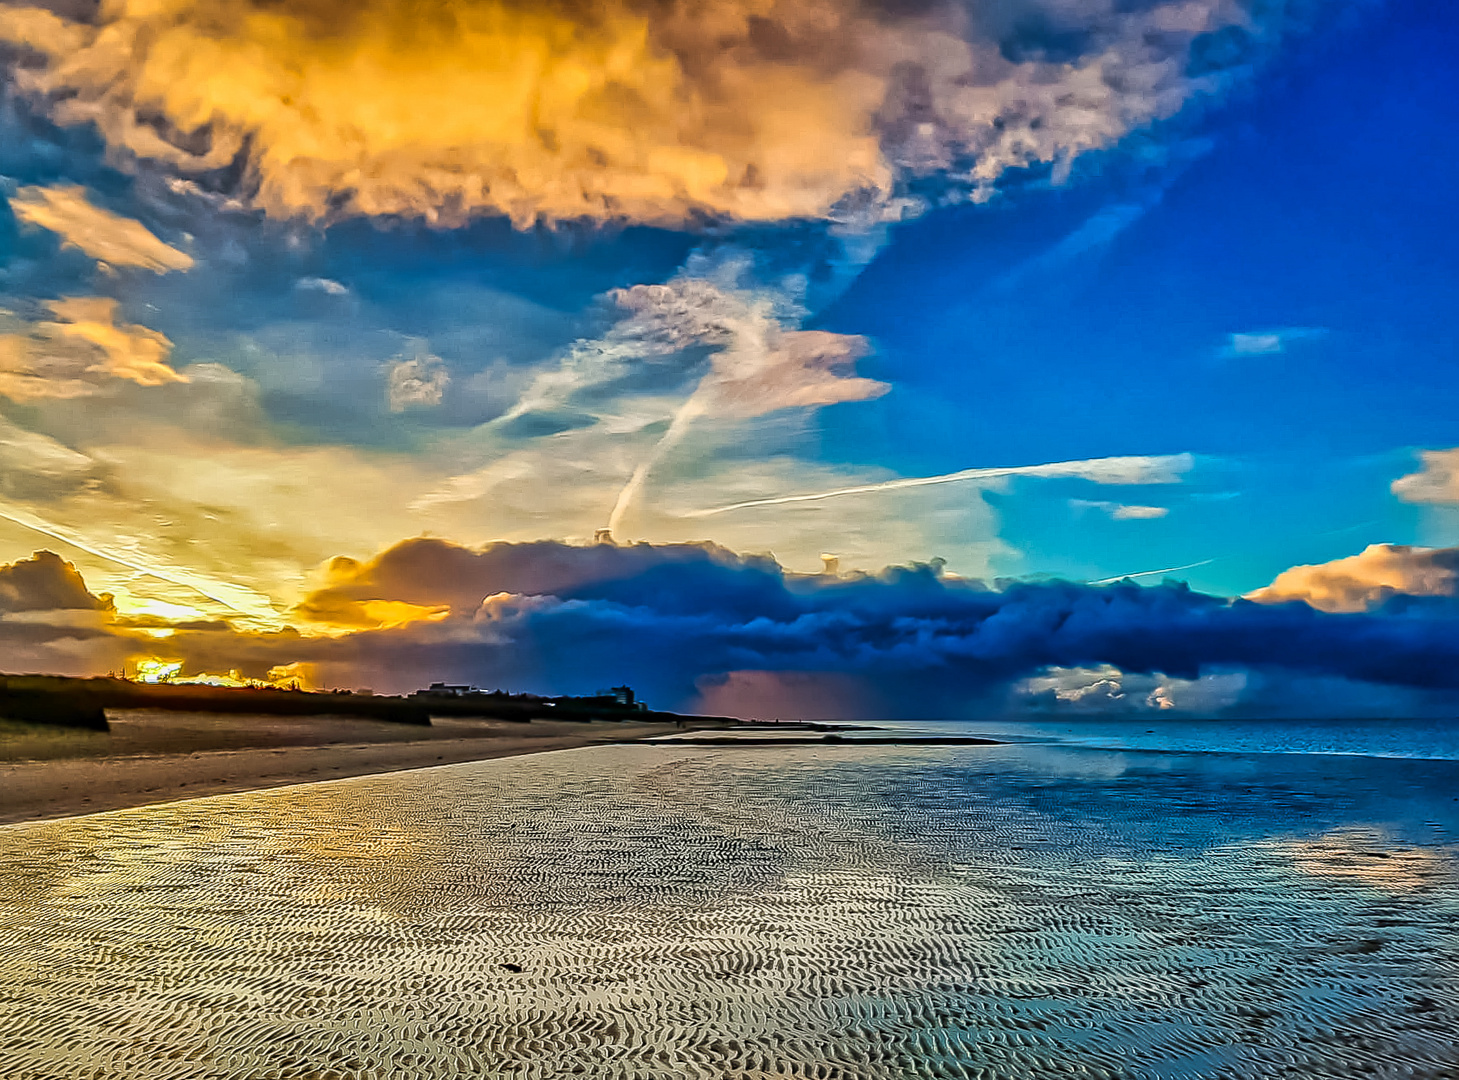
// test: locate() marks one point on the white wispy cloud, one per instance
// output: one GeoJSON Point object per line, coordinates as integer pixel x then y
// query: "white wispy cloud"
{"type": "Point", "coordinates": [1121, 511]}
{"type": "Point", "coordinates": [1151, 573]}
{"type": "Point", "coordinates": [1167, 469]}
{"type": "Point", "coordinates": [1268, 342]}
{"type": "Point", "coordinates": [711, 344]}
{"type": "Point", "coordinates": [320, 284]}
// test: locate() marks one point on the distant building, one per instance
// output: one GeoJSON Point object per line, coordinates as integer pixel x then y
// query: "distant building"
{"type": "Point", "coordinates": [440, 689]}
{"type": "Point", "coordinates": [603, 536]}
{"type": "Point", "coordinates": [621, 696]}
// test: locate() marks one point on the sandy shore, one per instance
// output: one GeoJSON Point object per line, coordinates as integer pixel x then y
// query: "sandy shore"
{"type": "Point", "coordinates": [154, 757]}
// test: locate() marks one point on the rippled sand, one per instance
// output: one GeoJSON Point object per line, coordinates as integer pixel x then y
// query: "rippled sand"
{"type": "Point", "coordinates": [1020, 912]}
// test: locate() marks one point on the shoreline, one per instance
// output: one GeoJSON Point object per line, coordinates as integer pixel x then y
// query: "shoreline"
{"type": "Point", "coordinates": [153, 757]}
{"type": "Point", "coordinates": [82, 782]}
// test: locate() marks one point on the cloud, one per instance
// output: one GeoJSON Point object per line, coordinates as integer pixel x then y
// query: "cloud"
{"type": "Point", "coordinates": [759, 367]}
{"type": "Point", "coordinates": [648, 110]}
{"type": "Point", "coordinates": [1113, 470]}
{"type": "Point", "coordinates": [696, 622]}
{"type": "Point", "coordinates": [1437, 482]}
{"type": "Point", "coordinates": [1106, 690]}
{"type": "Point", "coordinates": [46, 582]}
{"type": "Point", "coordinates": [76, 354]}
{"type": "Point", "coordinates": [235, 599]}
{"type": "Point", "coordinates": [759, 361]}
{"type": "Point", "coordinates": [419, 382]}
{"type": "Point", "coordinates": [1268, 342]}
{"type": "Point", "coordinates": [33, 465]}
{"type": "Point", "coordinates": [711, 348]}
{"type": "Point", "coordinates": [128, 351]}
{"type": "Point", "coordinates": [104, 236]}
{"type": "Point", "coordinates": [51, 622]}
{"type": "Point", "coordinates": [1121, 511]}
{"type": "Point", "coordinates": [761, 364]}
{"type": "Point", "coordinates": [1367, 580]}
{"type": "Point", "coordinates": [327, 286]}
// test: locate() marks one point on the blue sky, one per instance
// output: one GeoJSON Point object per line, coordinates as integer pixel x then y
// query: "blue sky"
{"type": "Point", "coordinates": [1320, 206]}
{"type": "Point", "coordinates": [1177, 277]}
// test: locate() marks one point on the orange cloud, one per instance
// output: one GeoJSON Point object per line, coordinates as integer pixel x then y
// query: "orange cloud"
{"type": "Point", "coordinates": [461, 107]}
{"type": "Point", "coordinates": [72, 356]}
{"type": "Point", "coordinates": [106, 237]}
{"type": "Point", "coordinates": [1363, 581]}
{"type": "Point", "coordinates": [755, 110]}
{"type": "Point", "coordinates": [370, 614]}
{"type": "Point", "coordinates": [128, 352]}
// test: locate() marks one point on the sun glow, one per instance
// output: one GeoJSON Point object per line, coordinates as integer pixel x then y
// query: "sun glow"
{"type": "Point", "coordinates": [156, 671]}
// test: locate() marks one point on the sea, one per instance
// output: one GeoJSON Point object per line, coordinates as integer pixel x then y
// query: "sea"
{"type": "Point", "coordinates": [1095, 899]}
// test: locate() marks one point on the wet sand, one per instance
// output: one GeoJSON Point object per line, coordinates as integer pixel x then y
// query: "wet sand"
{"type": "Point", "coordinates": [834, 912]}
{"type": "Point", "coordinates": [153, 756]}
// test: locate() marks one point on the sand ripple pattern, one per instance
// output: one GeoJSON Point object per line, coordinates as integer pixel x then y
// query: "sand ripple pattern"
{"type": "Point", "coordinates": [654, 912]}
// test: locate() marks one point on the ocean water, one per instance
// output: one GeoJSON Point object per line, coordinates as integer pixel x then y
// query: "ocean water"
{"type": "Point", "coordinates": [1426, 739]}
{"type": "Point", "coordinates": [1040, 909]}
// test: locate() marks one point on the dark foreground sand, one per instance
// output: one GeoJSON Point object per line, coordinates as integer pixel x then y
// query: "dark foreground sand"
{"type": "Point", "coordinates": [155, 757]}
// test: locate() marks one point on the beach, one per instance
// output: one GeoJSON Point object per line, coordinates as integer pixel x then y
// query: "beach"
{"type": "Point", "coordinates": [154, 756]}
{"type": "Point", "coordinates": [838, 912]}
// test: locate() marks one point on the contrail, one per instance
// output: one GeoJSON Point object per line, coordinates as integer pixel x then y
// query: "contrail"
{"type": "Point", "coordinates": [1150, 573]}
{"type": "Point", "coordinates": [243, 602]}
{"type": "Point", "coordinates": [693, 408]}
{"type": "Point", "coordinates": [1111, 470]}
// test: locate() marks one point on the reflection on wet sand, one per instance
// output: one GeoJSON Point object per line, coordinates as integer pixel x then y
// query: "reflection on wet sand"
{"type": "Point", "coordinates": [1371, 856]}
{"type": "Point", "coordinates": [693, 912]}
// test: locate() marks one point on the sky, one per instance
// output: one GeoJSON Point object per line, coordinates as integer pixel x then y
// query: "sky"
{"type": "Point", "coordinates": [918, 357]}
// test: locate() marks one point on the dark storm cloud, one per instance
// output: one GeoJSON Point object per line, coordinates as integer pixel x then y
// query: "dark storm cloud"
{"type": "Point", "coordinates": [46, 582]}
{"type": "Point", "coordinates": [670, 617]}
{"type": "Point", "coordinates": [692, 625]}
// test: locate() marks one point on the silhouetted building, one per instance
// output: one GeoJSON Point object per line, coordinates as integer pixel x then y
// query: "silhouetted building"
{"type": "Point", "coordinates": [440, 689]}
